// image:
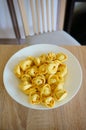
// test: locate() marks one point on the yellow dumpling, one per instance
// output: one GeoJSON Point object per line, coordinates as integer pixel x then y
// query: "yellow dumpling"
{"type": "Point", "coordinates": [32, 71]}
{"type": "Point", "coordinates": [27, 91]}
{"type": "Point", "coordinates": [52, 68]}
{"type": "Point", "coordinates": [31, 90]}
{"type": "Point", "coordinates": [53, 79]}
{"type": "Point", "coordinates": [51, 56]}
{"type": "Point", "coordinates": [60, 94]}
{"type": "Point", "coordinates": [60, 79]}
{"type": "Point", "coordinates": [34, 98]}
{"type": "Point", "coordinates": [37, 61]}
{"type": "Point", "coordinates": [49, 101]}
{"type": "Point", "coordinates": [43, 69]}
{"type": "Point", "coordinates": [25, 85]}
{"type": "Point", "coordinates": [25, 64]}
{"type": "Point", "coordinates": [39, 80]}
{"type": "Point", "coordinates": [59, 86]}
{"type": "Point", "coordinates": [61, 57]}
{"type": "Point", "coordinates": [62, 70]}
{"type": "Point", "coordinates": [17, 71]}
{"type": "Point", "coordinates": [43, 58]}
{"type": "Point", "coordinates": [26, 77]}
{"type": "Point", "coordinates": [46, 90]}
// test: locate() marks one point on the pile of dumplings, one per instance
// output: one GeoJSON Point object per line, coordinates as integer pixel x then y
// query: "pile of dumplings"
{"type": "Point", "coordinates": [42, 78]}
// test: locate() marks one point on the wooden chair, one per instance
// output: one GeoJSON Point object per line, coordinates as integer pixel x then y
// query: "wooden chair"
{"type": "Point", "coordinates": [43, 21]}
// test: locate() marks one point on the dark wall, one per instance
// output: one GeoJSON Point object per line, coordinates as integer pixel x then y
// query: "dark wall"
{"type": "Point", "coordinates": [75, 20]}
{"type": "Point", "coordinates": [78, 25]}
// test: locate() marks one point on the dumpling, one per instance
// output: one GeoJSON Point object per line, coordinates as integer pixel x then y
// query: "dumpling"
{"type": "Point", "coordinates": [51, 56]}
{"type": "Point", "coordinates": [49, 101]}
{"type": "Point", "coordinates": [61, 57]}
{"type": "Point", "coordinates": [37, 61]}
{"type": "Point", "coordinates": [17, 71]}
{"type": "Point", "coordinates": [52, 68]}
{"type": "Point", "coordinates": [62, 70]}
{"type": "Point", "coordinates": [39, 80]}
{"type": "Point", "coordinates": [32, 71]}
{"type": "Point", "coordinates": [59, 86]}
{"type": "Point", "coordinates": [60, 94]}
{"type": "Point", "coordinates": [43, 58]}
{"type": "Point", "coordinates": [25, 85]}
{"type": "Point", "coordinates": [34, 98]}
{"type": "Point", "coordinates": [43, 69]}
{"type": "Point", "coordinates": [25, 64]}
{"type": "Point", "coordinates": [26, 77]}
{"type": "Point", "coordinates": [46, 90]}
{"type": "Point", "coordinates": [53, 79]}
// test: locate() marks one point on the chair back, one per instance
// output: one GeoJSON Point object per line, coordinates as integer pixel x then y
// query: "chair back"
{"type": "Point", "coordinates": [41, 16]}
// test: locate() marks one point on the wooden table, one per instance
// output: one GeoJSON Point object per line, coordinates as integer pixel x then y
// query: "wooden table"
{"type": "Point", "coordinates": [71, 116]}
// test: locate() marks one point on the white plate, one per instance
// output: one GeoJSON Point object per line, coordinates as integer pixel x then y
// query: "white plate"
{"type": "Point", "coordinates": [73, 80]}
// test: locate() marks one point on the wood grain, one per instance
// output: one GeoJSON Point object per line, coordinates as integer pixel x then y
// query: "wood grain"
{"type": "Point", "coordinates": [71, 116]}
